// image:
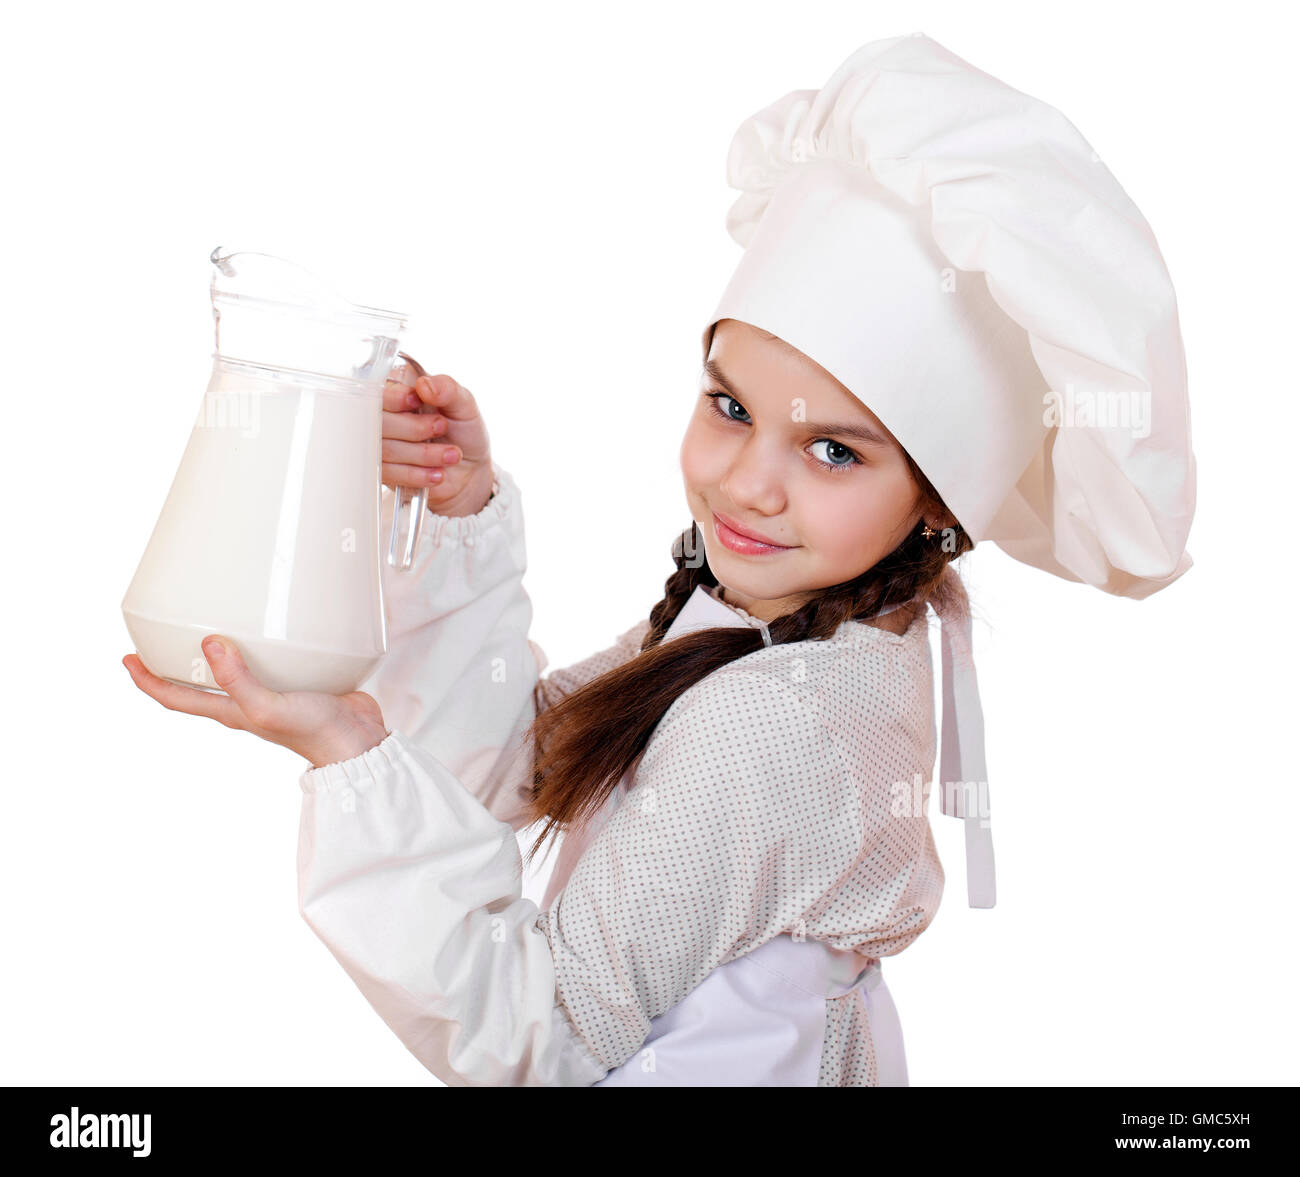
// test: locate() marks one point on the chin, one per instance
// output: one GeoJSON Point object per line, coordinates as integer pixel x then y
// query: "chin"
{"type": "Point", "coordinates": [752, 588]}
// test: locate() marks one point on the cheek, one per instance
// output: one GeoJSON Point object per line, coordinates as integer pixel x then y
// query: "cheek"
{"type": "Point", "coordinates": [703, 456]}
{"type": "Point", "coordinates": [844, 526]}
{"type": "Point", "coordinates": [851, 528]}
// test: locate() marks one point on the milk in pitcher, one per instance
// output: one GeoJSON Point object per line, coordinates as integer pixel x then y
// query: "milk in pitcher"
{"type": "Point", "coordinates": [269, 535]}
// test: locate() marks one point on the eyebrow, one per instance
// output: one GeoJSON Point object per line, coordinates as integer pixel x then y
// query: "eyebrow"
{"type": "Point", "coordinates": [863, 433]}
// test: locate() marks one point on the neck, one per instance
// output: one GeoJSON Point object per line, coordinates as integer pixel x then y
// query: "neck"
{"type": "Point", "coordinates": [898, 620]}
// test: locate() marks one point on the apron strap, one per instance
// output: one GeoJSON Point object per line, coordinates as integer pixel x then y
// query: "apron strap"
{"type": "Point", "coordinates": [963, 777]}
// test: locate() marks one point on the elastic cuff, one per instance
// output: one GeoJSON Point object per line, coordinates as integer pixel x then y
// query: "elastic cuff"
{"type": "Point", "coordinates": [362, 770]}
{"type": "Point", "coordinates": [465, 529]}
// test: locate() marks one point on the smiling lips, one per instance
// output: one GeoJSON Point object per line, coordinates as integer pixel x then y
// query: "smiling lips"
{"type": "Point", "coordinates": [746, 543]}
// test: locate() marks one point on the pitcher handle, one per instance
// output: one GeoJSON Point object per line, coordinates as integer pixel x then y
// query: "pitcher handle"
{"type": "Point", "coordinates": [418, 499]}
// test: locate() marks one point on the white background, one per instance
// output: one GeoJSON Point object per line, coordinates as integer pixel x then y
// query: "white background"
{"type": "Point", "coordinates": [542, 189]}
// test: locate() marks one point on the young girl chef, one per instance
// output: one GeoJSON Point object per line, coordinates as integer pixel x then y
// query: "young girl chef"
{"type": "Point", "coordinates": [949, 324]}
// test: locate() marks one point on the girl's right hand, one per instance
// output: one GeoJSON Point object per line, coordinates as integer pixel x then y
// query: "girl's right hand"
{"type": "Point", "coordinates": [434, 437]}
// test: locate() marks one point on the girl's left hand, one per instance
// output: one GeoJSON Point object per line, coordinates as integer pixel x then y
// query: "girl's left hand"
{"type": "Point", "coordinates": [323, 728]}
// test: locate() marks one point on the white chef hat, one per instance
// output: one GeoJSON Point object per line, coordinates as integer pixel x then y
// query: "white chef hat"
{"type": "Point", "coordinates": [955, 254]}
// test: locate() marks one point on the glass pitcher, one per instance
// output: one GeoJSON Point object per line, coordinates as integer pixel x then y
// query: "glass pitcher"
{"type": "Point", "coordinates": [270, 532]}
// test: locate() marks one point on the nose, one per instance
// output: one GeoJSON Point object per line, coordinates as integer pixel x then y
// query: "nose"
{"type": "Point", "coordinates": [753, 481]}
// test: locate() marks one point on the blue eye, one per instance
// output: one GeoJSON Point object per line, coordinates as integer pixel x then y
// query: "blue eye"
{"type": "Point", "coordinates": [717, 396]}
{"type": "Point", "coordinates": [848, 457]}
{"type": "Point", "coordinates": [845, 459]}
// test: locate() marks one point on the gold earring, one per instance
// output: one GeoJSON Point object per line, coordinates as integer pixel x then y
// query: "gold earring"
{"type": "Point", "coordinates": [928, 531]}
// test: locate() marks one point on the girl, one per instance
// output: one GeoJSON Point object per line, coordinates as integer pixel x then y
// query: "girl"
{"type": "Point", "coordinates": [741, 776]}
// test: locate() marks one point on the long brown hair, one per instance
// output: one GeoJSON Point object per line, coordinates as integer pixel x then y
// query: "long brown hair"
{"type": "Point", "coordinates": [585, 743]}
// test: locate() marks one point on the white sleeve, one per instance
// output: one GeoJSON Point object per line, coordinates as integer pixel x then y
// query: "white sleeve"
{"type": "Point", "coordinates": [415, 888]}
{"type": "Point", "coordinates": [743, 817]}
{"type": "Point", "coordinates": [459, 672]}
